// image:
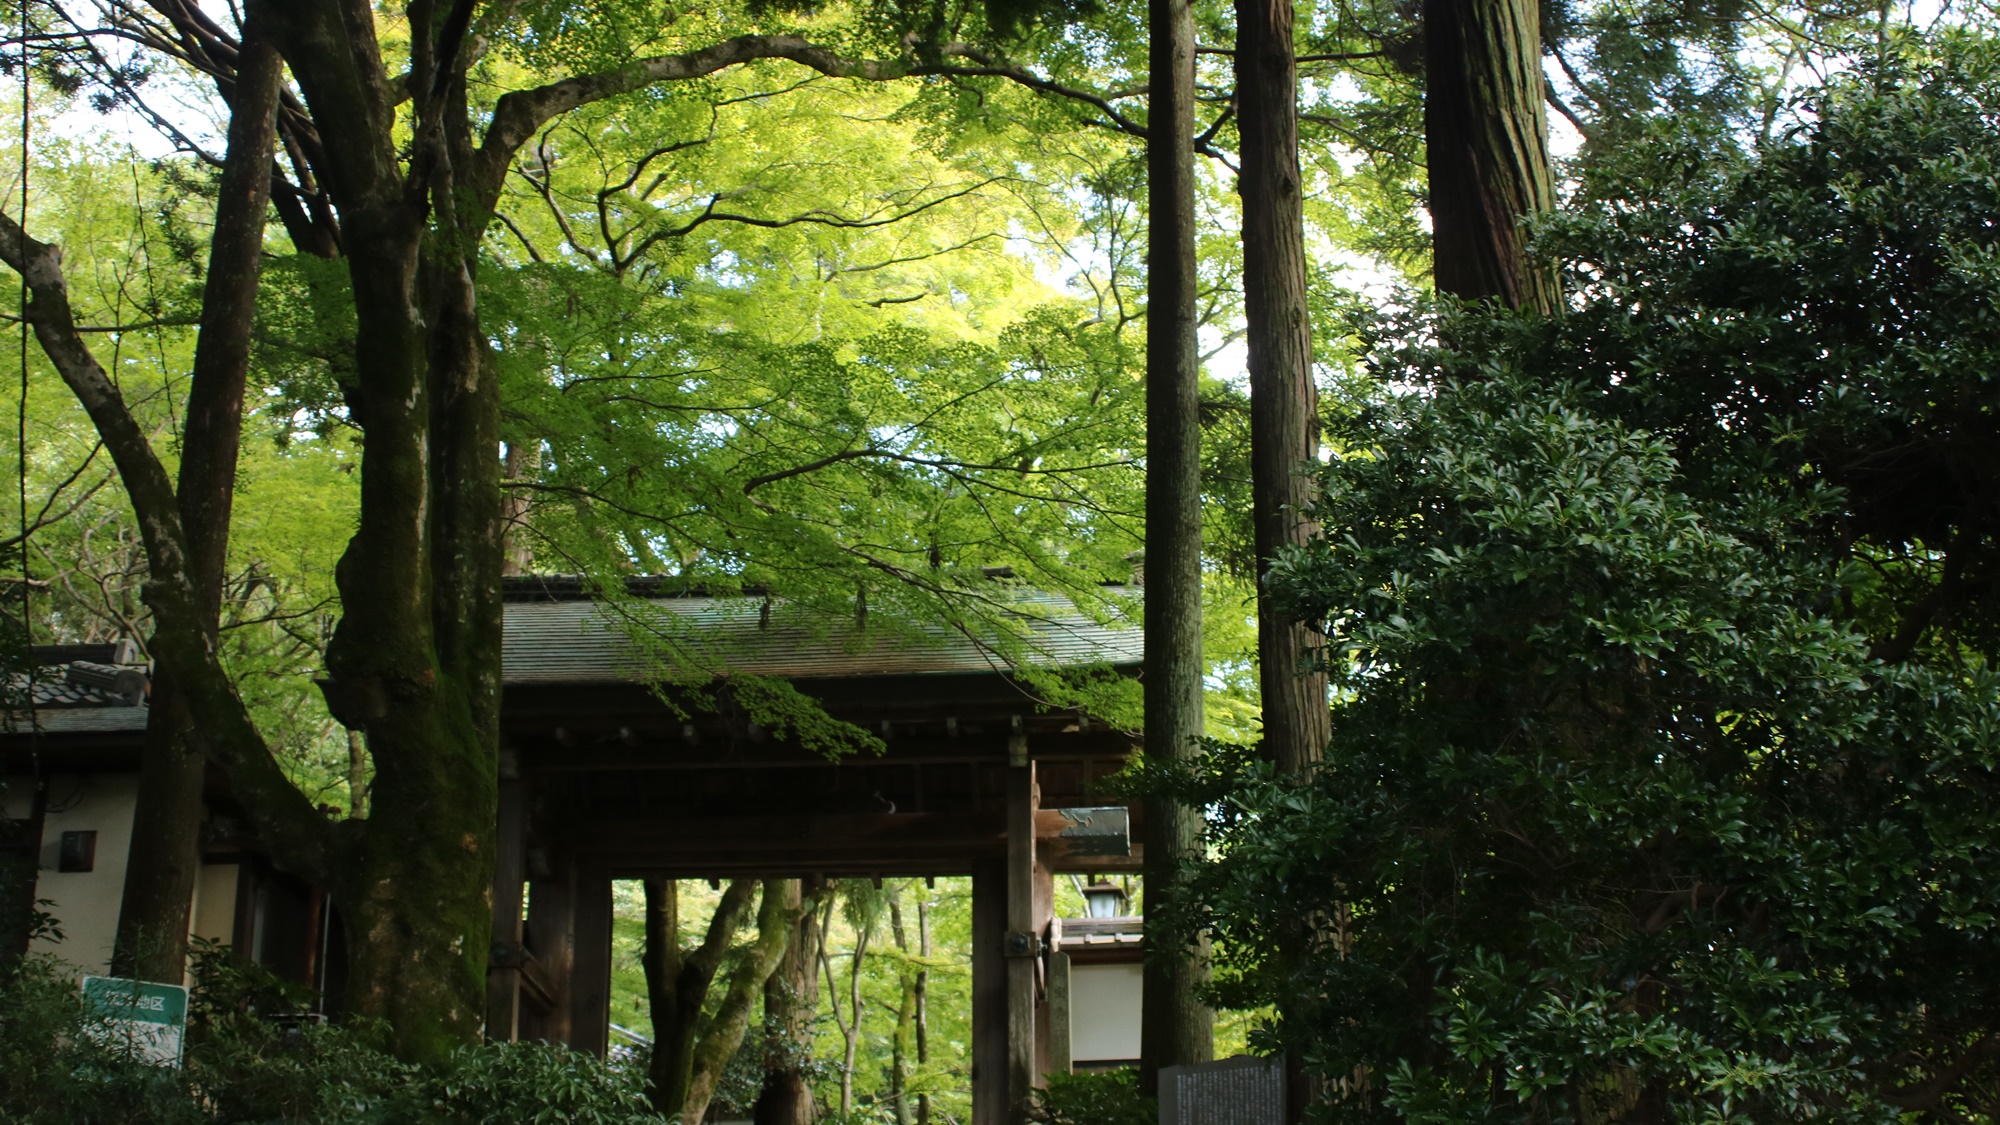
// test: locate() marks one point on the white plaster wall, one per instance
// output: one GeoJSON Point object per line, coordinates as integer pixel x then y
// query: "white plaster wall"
{"type": "Point", "coordinates": [1104, 1005]}
{"type": "Point", "coordinates": [85, 903]}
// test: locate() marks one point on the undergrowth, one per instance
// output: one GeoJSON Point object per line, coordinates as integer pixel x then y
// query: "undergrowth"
{"type": "Point", "coordinates": [245, 1062]}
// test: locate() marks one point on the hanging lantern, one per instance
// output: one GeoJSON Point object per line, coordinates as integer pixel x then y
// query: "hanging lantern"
{"type": "Point", "coordinates": [1104, 900]}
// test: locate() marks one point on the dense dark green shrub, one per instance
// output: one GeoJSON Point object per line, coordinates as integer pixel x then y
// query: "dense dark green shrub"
{"type": "Point", "coordinates": [1666, 726]}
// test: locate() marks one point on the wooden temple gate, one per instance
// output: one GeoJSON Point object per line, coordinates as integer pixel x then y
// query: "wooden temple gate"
{"type": "Point", "coordinates": [601, 780]}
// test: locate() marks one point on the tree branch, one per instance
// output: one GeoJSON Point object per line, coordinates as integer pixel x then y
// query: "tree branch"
{"type": "Point", "coordinates": [517, 115]}
{"type": "Point", "coordinates": [288, 820]}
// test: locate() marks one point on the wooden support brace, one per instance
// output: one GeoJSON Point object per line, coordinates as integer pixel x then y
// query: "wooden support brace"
{"type": "Point", "coordinates": [1045, 912]}
{"type": "Point", "coordinates": [551, 939]}
{"type": "Point", "coordinates": [510, 871]}
{"type": "Point", "coordinates": [1023, 940]}
{"type": "Point", "coordinates": [1060, 1052]}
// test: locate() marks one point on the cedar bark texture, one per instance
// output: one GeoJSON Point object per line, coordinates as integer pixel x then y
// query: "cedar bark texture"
{"type": "Point", "coordinates": [791, 999]}
{"type": "Point", "coordinates": [165, 858]}
{"type": "Point", "coordinates": [1487, 141]}
{"type": "Point", "coordinates": [1284, 403]}
{"type": "Point", "coordinates": [1176, 1028]}
{"type": "Point", "coordinates": [1284, 400]}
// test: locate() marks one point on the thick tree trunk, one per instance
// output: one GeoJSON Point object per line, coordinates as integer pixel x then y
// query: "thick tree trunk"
{"type": "Point", "coordinates": [416, 656]}
{"type": "Point", "coordinates": [1487, 141]}
{"type": "Point", "coordinates": [791, 1000]}
{"type": "Point", "coordinates": [1284, 421]}
{"type": "Point", "coordinates": [1176, 1027]}
{"type": "Point", "coordinates": [165, 851]}
{"type": "Point", "coordinates": [776, 917]}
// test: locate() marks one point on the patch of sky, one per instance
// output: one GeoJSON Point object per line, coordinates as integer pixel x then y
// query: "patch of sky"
{"type": "Point", "coordinates": [726, 268]}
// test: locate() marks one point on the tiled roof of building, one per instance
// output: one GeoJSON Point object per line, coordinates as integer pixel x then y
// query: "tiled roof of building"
{"type": "Point", "coordinates": [85, 697]}
{"type": "Point", "coordinates": [579, 641]}
{"type": "Point", "coordinates": [554, 634]}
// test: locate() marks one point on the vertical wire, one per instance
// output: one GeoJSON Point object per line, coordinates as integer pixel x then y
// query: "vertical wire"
{"type": "Point", "coordinates": [21, 445]}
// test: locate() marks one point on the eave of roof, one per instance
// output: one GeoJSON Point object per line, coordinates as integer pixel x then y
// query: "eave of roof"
{"type": "Point", "coordinates": [588, 642]}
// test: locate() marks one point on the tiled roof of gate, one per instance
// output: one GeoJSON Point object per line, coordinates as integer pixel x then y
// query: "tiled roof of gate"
{"type": "Point", "coordinates": [580, 641]}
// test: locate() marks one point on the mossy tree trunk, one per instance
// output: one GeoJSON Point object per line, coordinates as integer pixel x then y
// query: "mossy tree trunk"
{"type": "Point", "coordinates": [416, 656]}
{"type": "Point", "coordinates": [731, 1021]}
{"type": "Point", "coordinates": [678, 980]}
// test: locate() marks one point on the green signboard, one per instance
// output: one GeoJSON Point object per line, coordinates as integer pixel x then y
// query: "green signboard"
{"type": "Point", "coordinates": [146, 1018]}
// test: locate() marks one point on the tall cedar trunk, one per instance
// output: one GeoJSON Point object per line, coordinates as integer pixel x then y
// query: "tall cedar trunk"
{"type": "Point", "coordinates": [776, 917]}
{"type": "Point", "coordinates": [791, 1000]}
{"type": "Point", "coordinates": [1284, 403]}
{"type": "Point", "coordinates": [166, 823]}
{"type": "Point", "coordinates": [1284, 420]}
{"type": "Point", "coordinates": [1487, 138]}
{"type": "Point", "coordinates": [677, 982]}
{"type": "Point", "coordinates": [1176, 1028]}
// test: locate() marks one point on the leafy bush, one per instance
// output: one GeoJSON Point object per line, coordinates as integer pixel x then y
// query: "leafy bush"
{"type": "Point", "coordinates": [1667, 727]}
{"type": "Point", "coordinates": [244, 1066]}
{"type": "Point", "coordinates": [1109, 1097]}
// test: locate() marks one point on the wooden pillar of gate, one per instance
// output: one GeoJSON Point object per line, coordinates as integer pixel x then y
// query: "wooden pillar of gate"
{"type": "Point", "coordinates": [590, 966]}
{"type": "Point", "coordinates": [989, 994]}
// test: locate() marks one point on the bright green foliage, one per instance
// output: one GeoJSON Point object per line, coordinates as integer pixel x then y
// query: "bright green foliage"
{"type": "Point", "coordinates": [831, 373]}
{"type": "Point", "coordinates": [125, 230]}
{"type": "Point", "coordinates": [1664, 752]}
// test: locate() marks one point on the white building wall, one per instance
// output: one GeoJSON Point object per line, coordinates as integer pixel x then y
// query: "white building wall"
{"type": "Point", "coordinates": [1104, 1006]}
{"type": "Point", "coordinates": [85, 903]}
{"type": "Point", "coordinates": [214, 913]}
